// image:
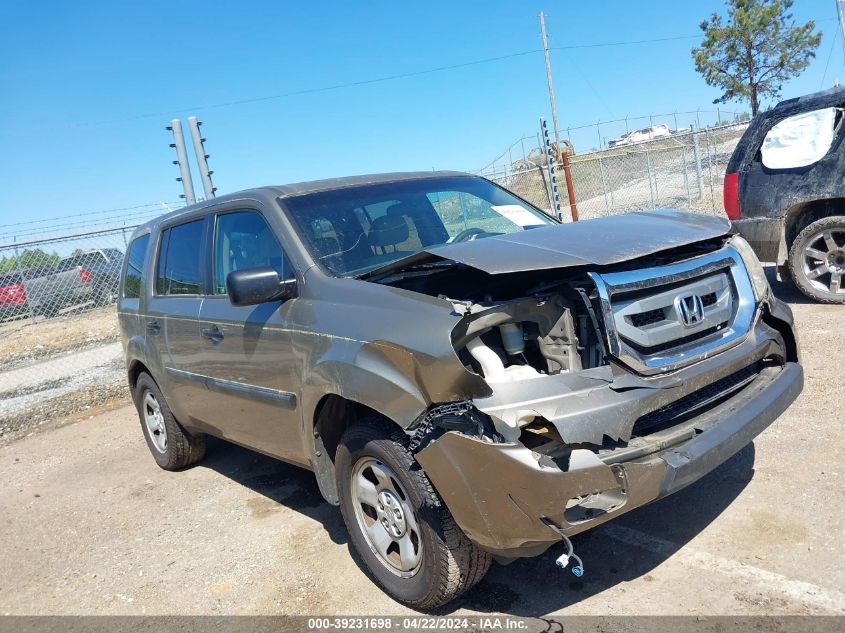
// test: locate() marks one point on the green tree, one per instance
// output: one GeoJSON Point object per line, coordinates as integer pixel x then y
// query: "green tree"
{"type": "Point", "coordinates": [29, 258]}
{"type": "Point", "coordinates": [759, 46]}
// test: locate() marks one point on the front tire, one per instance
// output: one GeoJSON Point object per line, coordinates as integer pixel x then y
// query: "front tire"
{"type": "Point", "coordinates": [817, 260]}
{"type": "Point", "coordinates": [397, 522]}
{"type": "Point", "coordinates": [171, 446]}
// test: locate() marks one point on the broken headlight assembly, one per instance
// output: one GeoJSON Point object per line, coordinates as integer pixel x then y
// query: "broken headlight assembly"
{"type": "Point", "coordinates": [759, 282]}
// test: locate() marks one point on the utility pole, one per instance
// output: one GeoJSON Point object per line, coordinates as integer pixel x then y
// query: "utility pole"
{"type": "Point", "coordinates": [841, 22]}
{"type": "Point", "coordinates": [182, 161]}
{"type": "Point", "coordinates": [549, 79]}
{"type": "Point", "coordinates": [202, 157]}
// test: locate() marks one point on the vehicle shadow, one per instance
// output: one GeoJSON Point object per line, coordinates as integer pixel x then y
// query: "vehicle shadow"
{"type": "Point", "coordinates": [278, 481]}
{"type": "Point", "coordinates": [533, 586]}
{"type": "Point", "coordinates": [623, 549]}
{"type": "Point", "coordinates": [784, 290]}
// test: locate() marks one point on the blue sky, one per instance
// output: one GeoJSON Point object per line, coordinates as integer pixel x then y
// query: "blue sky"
{"type": "Point", "coordinates": [86, 88]}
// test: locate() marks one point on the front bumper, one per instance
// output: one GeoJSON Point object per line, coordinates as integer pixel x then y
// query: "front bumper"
{"type": "Point", "coordinates": [504, 496]}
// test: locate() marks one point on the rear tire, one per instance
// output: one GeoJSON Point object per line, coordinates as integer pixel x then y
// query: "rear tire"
{"type": "Point", "coordinates": [171, 446]}
{"type": "Point", "coordinates": [817, 260]}
{"type": "Point", "coordinates": [445, 563]}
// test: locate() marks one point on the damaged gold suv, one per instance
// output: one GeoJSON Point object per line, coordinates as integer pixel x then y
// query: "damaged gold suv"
{"type": "Point", "coordinates": [467, 378]}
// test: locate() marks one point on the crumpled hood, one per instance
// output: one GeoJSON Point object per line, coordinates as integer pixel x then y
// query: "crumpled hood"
{"type": "Point", "coordinates": [599, 242]}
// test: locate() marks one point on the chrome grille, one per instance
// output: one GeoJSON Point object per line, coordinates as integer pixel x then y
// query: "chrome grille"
{"type": "Point", "coordinates": [664, 317]}
{"type": "Point", "coordinates": [649, 317]}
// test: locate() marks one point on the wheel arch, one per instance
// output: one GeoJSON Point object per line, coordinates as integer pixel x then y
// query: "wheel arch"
{"type": "Point", "coordinates": [333, 415]}
{"type": "Point", "coordinates": [803, 214]}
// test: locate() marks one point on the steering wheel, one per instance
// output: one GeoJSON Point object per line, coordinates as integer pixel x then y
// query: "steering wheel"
{"type": "Point", "coordinates": [467, 235]}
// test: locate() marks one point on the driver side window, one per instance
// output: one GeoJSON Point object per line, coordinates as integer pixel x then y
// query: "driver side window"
{"type": "Point", "coordinates": [243, 239]}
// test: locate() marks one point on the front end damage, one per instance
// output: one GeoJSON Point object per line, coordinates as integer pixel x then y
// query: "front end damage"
{"type": "Point", "coordinates": [606, 393]}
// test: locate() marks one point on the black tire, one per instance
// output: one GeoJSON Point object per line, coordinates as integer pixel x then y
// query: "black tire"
{"type": "Point", "coordinates": [450, 562]}
{"type": "Point", "coordinates": [810, 237]}
{"type": "Point", "coordinates": [180, 447]}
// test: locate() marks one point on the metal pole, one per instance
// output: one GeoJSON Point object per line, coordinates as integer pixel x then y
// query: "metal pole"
{"type": "Point", "coordinates": [841, 21]}
{"type": "Point", "coordinates": [182, 161]}
{"type": "Point", "coordinates": [550, 166]}
{"type": "Point", "coordinates": [202, 157]}
{"type": "Point", "coordinates": [648, 165]}
{"type": "Point", "coordinates": [603, 185]}
{"type": "Point", "coordinates": [710, 170]}
{"type": "Point", "coordinates": [686, 176]}
{"type": "Point", "coordinates": [549, 79]}
{"type": "Point", "coordinates": [570, 187]}
{"type": "Point", "coordinates": [697, 156]}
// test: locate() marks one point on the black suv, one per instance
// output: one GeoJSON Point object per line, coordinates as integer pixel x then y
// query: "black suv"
{"type": "Point", "coordinates": [785, 192]}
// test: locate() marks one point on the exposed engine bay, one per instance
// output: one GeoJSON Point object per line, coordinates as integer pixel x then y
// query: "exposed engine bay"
{"type": "Point", "coordinates": [544, 347]}
{"type": "Point", "coordinates": [526, 340]}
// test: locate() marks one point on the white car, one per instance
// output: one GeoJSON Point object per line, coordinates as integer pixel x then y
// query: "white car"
{"type": "Point", "coordinates": [661, 130]}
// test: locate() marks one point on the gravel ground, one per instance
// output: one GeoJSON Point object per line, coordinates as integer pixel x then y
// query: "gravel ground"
{"type": "Point", "coordinates": [92, 526]}
{"type": "Point", "coordinates": [58, 366]}
{"type": "Point", "coordinates": [24, 341]}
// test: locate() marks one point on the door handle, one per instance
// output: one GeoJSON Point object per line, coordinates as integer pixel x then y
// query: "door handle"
{"type": "Point", "coordinates": [153, 327]}
{"type": "Point", "coordinates": [213, 334]}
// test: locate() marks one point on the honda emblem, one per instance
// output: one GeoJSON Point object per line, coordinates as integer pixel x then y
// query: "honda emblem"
{"type": "Point", "coordinates": [690, 309]}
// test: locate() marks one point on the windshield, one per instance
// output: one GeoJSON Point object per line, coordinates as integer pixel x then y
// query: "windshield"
{"type": "Point", "coordinates": [354, 230]}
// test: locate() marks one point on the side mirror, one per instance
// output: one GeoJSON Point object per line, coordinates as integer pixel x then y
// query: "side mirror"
{"type": "Point", "coordinates": [258, 285]}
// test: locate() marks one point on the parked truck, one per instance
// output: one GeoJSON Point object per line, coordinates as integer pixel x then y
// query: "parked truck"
{"type": "Point", "coordinates": [89, 277]}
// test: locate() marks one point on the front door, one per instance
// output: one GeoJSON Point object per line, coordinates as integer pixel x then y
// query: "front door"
{"type": "Point", "coordinates": [252, 383]}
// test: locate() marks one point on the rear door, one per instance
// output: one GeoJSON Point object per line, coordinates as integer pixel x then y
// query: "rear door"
{"type": "Point", "coordinates": [246, 350]}
{"type": "Point", "coordinates": [171, 319]}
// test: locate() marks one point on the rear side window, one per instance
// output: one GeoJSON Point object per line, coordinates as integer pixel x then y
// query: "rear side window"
{"type": "Point", "coordinates": [178, 270]}
{"type": "Point", "coordinates": [135, 267]}
{"type": "Point", "coordinates": [800, 140]}
{"type": "Point", "coordinates": [242, 240]}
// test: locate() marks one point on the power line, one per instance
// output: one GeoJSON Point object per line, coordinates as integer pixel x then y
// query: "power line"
{"type": "Point", "coordinates": [86, 213]}
{"type": "Point", "coordinates": [829, 55]}
{"type": "Point", "coordinates": [394, 77]}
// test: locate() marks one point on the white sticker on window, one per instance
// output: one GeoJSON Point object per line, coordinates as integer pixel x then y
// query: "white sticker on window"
{"type": "Point", "coordinates": [517, 214]}
{"type": "Point", "coordinates": [799, 140]}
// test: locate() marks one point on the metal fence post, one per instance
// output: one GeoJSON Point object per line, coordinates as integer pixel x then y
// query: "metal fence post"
{"type": "Point", "coordinates": [686, 176]}
{"type": "Point", "coordinates": [648, 166]}
{"type": "Point", "coordinates": [710, 171]}
{"type": "Point", "coordinates": [604, 185]}
{"type": "Point", "coordinates": [697, 157]}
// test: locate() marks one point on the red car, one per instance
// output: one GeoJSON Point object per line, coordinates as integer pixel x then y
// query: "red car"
{"type": "Point", "coordinates": [12, 294]}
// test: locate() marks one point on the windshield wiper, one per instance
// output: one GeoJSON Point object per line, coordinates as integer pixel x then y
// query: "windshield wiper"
{"type": "Point", "coordinates": [409, 270]}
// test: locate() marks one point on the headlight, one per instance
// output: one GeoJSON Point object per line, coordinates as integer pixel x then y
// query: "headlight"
{"type": "Point", "coordinates": [753, 266]}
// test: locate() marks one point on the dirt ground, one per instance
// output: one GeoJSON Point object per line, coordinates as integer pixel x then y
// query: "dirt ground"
{"type": "Point", "coordinates": [23, 340]}
{"type": "Point", "coordinates": [92, 526]}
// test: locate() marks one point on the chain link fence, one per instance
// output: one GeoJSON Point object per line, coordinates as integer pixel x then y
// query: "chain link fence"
{"type": "Point", "coordinates": [683, 170]}
{"type": "Point", "coordinates": [59, 340]}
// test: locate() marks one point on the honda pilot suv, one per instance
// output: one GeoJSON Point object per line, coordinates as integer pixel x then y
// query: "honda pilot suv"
{"type": "Point", "coordinates": [467, 378]}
